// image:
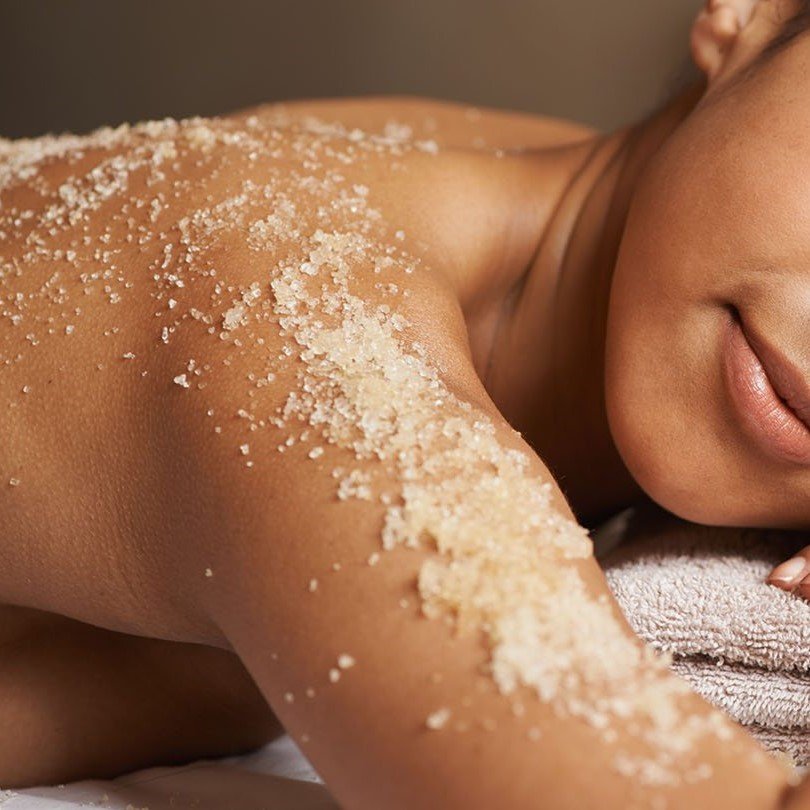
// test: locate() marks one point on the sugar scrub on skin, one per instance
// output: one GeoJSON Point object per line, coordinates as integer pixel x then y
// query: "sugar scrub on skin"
{"type": "Point", "coordinates": [502, 562]}
{"type": "Point", "coordinates": [503, 553]}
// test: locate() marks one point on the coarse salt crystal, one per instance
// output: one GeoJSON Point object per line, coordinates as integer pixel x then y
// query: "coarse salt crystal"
{"type": "Point", "coordinates": [438, 719]}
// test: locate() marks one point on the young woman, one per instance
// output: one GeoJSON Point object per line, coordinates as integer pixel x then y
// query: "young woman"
{"type": "Point", "coordinates": [292, 398]}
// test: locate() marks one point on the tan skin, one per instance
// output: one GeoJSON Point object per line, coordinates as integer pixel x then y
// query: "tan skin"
{"type": "Point", "coordinates": [527, 246]}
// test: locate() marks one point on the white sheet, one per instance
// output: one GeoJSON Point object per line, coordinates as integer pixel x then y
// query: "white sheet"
{"type": "Point", "coordinates": [276, 777]}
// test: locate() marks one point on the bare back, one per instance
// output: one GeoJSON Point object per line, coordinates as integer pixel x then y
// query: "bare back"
{"type": "Point", "coordinates": [111, 315]}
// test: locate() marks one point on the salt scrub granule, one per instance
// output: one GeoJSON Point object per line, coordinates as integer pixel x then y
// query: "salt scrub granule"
{"type": "Point", "coordinates": [357, 484]}
{"type": "Point", "coordinates": [208, 572]}
{"type": "Point", "coordinates": [233, 317]}
{"type": "Point", "coordinates": [334, 675]}
{"type": "Point", "coordinates": [182, 381]}
{"type": "Point", "coordinates": [438, 720]}
{"type": "Point", "coordinates": [14, 482]}
{"type": "Point", "coordinates": [313, 585]}
{"type": "Point", "coordinates": [345, 661]}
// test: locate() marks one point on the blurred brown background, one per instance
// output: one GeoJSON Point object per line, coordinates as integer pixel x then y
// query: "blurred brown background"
{"type": "Point", "coordinates": [76, 64]}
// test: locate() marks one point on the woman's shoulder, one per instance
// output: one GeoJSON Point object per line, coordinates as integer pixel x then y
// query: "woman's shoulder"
{"type": "Point", "coordinates": [449, 123]}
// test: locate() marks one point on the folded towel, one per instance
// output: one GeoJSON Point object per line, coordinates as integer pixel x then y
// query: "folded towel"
{"type": "Point", "coordinates": [699, 593]}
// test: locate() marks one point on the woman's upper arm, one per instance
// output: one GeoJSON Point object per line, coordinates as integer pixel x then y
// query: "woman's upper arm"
{"type": "Point", "coordinates": [401, 576]}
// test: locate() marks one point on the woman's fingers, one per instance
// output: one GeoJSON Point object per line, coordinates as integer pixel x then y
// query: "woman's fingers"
{"type": "Point", "coordinates": [794, 574]}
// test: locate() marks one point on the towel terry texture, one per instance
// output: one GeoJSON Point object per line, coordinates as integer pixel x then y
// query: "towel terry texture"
{"type": "Point", "coordinates": [699, 593]}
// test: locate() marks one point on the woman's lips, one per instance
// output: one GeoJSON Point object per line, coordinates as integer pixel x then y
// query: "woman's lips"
{"type": "Point", "coordinates": [761, 384]}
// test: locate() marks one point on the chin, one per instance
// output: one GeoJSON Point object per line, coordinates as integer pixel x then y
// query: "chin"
{"type": "Point", "coordinates": [685, 482]}
{"type": "Point", "coordinates": [705, 495]}
{"type": "Point", "coordinates": [680, 496]}
{"type": "Point", "coordinates": [695, 508]}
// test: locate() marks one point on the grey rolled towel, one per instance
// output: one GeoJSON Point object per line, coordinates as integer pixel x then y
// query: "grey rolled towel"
{"type": "Point", "coordinates": [699, 593]}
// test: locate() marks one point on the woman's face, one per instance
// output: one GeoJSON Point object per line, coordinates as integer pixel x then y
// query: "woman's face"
{"type": "Point", "coordinates": [708, 344]}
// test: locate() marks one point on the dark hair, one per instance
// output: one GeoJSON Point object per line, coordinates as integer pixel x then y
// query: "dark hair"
{"type": "Point", "coordinates": [793, 29]}
{"type": "Point", "coordinates": [797, 25]}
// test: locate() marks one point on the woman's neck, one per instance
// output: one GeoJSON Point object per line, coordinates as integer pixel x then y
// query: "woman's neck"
{"type": "Point", "coordinates": [547, 368]}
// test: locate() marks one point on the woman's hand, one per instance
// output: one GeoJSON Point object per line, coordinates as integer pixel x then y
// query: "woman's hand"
{"type": "Point", "coordinates": [794, 575]}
